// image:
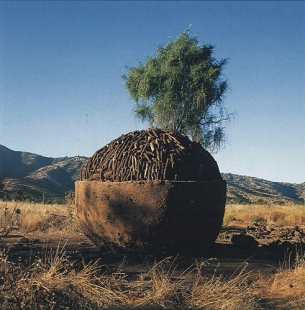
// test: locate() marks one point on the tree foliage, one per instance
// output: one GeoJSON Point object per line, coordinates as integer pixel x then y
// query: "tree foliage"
{"type": "Point", "coordinates": [181, 90]}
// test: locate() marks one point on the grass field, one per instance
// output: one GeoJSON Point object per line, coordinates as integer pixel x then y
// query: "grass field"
{"type": "Point", "coordinates": [55, 283]}
{"type": "Point", "coordinates": [45, 217]}
{"type": "Point", "coordinates": [246, 214]}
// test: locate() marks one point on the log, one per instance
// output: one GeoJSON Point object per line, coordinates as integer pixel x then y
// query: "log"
{"type": "Point", "coordinates": [150, 154]}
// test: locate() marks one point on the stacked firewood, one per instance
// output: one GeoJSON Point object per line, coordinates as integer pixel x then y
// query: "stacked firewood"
{"type": "Point", "coordinates": [151, 154]}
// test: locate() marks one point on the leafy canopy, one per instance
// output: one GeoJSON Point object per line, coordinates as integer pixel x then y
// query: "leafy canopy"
{"type": "Point", "coordinates": [181, 90]}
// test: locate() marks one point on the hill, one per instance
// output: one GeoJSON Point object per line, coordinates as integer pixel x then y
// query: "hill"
{"type": "Point", "coordinates": [34, 177]}
{"type": "Point", "coordinates": [245, 189]}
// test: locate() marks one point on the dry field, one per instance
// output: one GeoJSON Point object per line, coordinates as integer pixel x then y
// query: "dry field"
{"type": "Point", "coordinates": [280, 215]}
{"type": "Point", "coordinates": [47, 263]}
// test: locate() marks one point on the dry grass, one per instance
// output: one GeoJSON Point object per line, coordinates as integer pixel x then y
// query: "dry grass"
{"type": "Point", "coordinates": [244, 215]}
{"type": "Point", "coordinates": [57, 285]}
{"type": "Point", "coordinates": [54, 282]}
{"type": "Point", "coordinates": [34, 217]}
{"type": "Point", "coordinates": [237, 292]}
{"type": "Point", "coordinates": [287, 286]}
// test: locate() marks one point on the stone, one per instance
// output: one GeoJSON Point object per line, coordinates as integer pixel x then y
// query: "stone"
{"type": "Point", "coordinates": [244, 241]}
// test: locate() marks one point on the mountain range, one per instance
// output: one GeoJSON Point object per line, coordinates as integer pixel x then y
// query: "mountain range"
{"type": "Point", "coordinates": [33, 177]}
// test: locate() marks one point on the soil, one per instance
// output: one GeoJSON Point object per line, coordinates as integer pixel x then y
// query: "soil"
{"type": "Point", "coordinates": [261, 248]}
{"type": "Point", "coordinates": [155, 214]}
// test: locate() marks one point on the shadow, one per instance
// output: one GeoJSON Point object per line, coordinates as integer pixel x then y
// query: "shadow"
{"type": "Point", "coordinates": [152, 217]}
{"type": "Point", "coordinates": [80, 249]}
{"type": "Point", "coordinates": [287, 190]}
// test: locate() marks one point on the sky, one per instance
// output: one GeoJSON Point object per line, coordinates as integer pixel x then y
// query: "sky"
{"type": "Point", "coordinates": [61, 67]}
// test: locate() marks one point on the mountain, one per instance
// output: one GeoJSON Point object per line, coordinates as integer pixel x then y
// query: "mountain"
{"type": "Point", "coordinates": [34, 177]}
{"type": "Point", "coordinates": [245, 189]}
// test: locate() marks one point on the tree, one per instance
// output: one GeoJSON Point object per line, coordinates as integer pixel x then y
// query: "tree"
{"type": "Point", "coordinates": [181, 90]}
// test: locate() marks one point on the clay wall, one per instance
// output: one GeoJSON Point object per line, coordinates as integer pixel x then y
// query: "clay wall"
{"type": "Point", "coordinates": [151, 214]}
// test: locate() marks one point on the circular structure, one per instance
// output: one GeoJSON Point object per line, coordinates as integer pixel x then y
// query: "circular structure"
{"type": "Point", "coordinates": [151, 189]}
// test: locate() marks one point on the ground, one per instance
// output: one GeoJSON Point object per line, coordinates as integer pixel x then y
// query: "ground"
{"type": "Point", "coordinates": [259, 245]}
{"type": "Point", "coordinates": [263, 249]}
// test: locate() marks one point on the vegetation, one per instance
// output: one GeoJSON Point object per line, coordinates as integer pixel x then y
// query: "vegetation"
{"type": "Point", "coordinates": [287, 285]}
{"type": "Point", "coordinates": [36, 218]}
{"type": "Point", "coordinates": [54, 282]}
{"type": "Point", "coordinates": [56, 286]}
{"type": "Point", "coordinates": [181, 89]}
{"type": "Point", "coordinates": [34, 178]}
{"type": "Point", "coordinates": [281, 215]}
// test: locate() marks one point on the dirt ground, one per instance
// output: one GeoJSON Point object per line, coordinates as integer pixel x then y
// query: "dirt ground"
{"type": "Point", "coordinates": [261, 248]}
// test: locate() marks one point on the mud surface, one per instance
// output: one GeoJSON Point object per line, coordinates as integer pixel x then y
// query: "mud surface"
{"type": "Point", "coordinates": [265, 253]}
{"type": "Point", "coordinates": [158, 214]}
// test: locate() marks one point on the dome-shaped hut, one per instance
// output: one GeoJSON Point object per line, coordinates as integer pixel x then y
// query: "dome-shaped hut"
{"type": "Point", "coordinates": [151, 189]}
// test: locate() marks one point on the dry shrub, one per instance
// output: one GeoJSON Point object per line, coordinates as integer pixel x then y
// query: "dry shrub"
{"type": "Point", "coordinates": [287, 215]}
{"type": "Point", "coordinates": [243, 214]}
{"type": "Point", "coordinates": [289, 219]}
{"type": "Point", "coordinates": [228, 218]}
{"type": "Point", "coordinates": [260, 218]}
{"type": "Point", "coordinates": [232, 214]}
{"type": "Point", "coordinates": [277, 216]}
{"type": "Point", "coordinates": [30, 221]}
{"type": "Point", "coordinates": [288, 284]}
{"type": "Point", "coordinates": [162, 286]}
{"type": "Point", "coordinates": [54, 283]}
{"type": "Point", "coordinates": [10, 219]}
{"type": "Point", "coordinates": [237, 292]}
{"type": "Point", "coordinates": [166, 287]}
{"type": "Point", "coordinates": [87, 283]}
{"type": "Point", "coordinates": [269, 214]}
{"type": "Point", "coordinates": [34, 217]}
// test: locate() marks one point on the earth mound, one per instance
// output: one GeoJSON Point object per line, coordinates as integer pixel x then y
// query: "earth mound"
{"type": "Point", "coordinates": [151, 190]}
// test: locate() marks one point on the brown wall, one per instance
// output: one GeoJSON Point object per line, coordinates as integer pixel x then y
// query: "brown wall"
{"type": "Point", "coordinates": [151, 214]}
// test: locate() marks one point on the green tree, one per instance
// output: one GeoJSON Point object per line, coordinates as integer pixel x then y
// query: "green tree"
{"type": "Point", "coordinates": [181, 90]}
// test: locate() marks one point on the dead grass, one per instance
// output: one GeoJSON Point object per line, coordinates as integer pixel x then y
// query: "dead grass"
{"type": "Point", "coordinates": [34, 217]}
{"type": "Point", "coordinates": [54, 282]}
{"type": "Point", "coordinates": [289, 215]}
{"type": "Point", "coordinates": [287, 286]}
{"type": "Point", "coordinates": [237, 292]}
{"type": "Point", "coordinates": [57, 285]}
{"type": "Point", "coordinates": [50, 286]}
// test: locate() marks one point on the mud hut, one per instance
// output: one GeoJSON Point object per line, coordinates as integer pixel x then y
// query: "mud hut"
{"type": "Point", "coordinates": [151, 190]}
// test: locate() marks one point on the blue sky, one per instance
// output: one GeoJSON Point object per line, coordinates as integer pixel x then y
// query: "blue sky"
{"type": "Point", "coordinates": [61, 91]}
